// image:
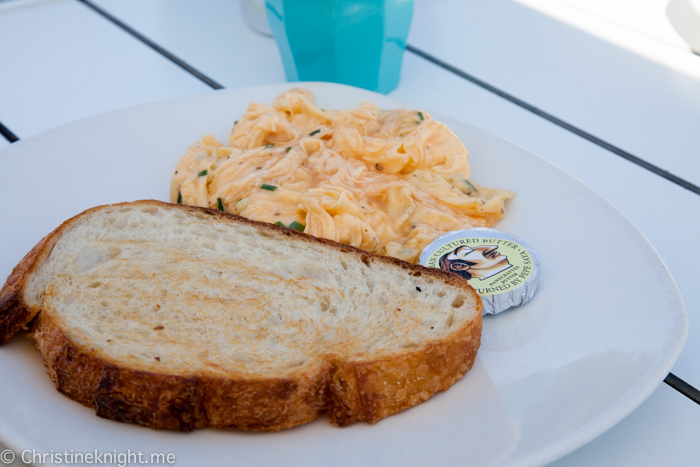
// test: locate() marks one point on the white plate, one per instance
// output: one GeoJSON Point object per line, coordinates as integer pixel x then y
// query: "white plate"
{"type": "Point", "coordinates": [603, 331]}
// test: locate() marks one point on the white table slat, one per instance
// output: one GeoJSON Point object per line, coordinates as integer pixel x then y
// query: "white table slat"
{"type": "Point", "coordinates": [661, 432]}
{"type": "Point", "coordinates": [207, 34]}
{"type": "Point", "coordinates": [69, 63]}
{"type": "Point", "coordinates": [647, 17]}
{"type": "Point", "coordinates": [628, 100]}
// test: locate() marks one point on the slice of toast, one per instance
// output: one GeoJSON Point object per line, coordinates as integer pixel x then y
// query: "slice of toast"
{"type": "Point", "coordinates": [180, 317]}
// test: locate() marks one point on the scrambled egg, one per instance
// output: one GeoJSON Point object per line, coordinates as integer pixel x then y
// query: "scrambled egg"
{"type": "Point", "coordinates": [386, 181]}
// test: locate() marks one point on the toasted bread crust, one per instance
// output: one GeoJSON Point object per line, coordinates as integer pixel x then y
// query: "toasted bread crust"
{"type": "Point", "coordinates": [348, 390]}
{"type": "Point", "coordinates": [178, 402]}
{"type": "Point", "coordinates": [14, 313]}
{"type": "Point", "coordinates": [370, 391]}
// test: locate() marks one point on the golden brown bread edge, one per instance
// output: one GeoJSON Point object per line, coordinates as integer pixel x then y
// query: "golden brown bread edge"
{"type": "Point", "coordinates": [348, 391]}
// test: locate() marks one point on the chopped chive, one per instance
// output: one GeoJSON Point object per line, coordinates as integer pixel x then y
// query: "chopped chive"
{"type": "Point", "coordinates": [269, 145]}
{"type": "Point", "coordinates": [221, 205]}
{"type": "Point", "coordinates": [297, 226]}
{"type": "Point", "coordinates": [179, 198]}
{"type": "Point", "coordinates": [280, 224]}
{"type": "Point", "coordinates": [203, 173]}
{"type": "Point", "coordinates": [314, 132]}
{"type": "Point", "coordinates": [235, 123]}
{"type": "Point", "coordinates": [417, 122]}
{"type": "Point", "coordinates": [268, 187]}
{"type": "Point", "coordinates": [288, 149]}
{"type": "Point", "coordinates": [420, 115]}
{"type": "Point", "coordinates": [471, 186]}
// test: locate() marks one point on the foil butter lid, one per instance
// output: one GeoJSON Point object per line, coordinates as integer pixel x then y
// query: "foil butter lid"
{"type": "Point", "coordinates": [503, 269]}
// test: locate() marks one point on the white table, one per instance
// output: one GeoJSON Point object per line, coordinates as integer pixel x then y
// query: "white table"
{"type": "Point", "coordinates": [618, 78]}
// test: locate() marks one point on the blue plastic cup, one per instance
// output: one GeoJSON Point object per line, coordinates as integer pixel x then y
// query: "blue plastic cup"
{"type": "Point", "coordinates": [358, 42]}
